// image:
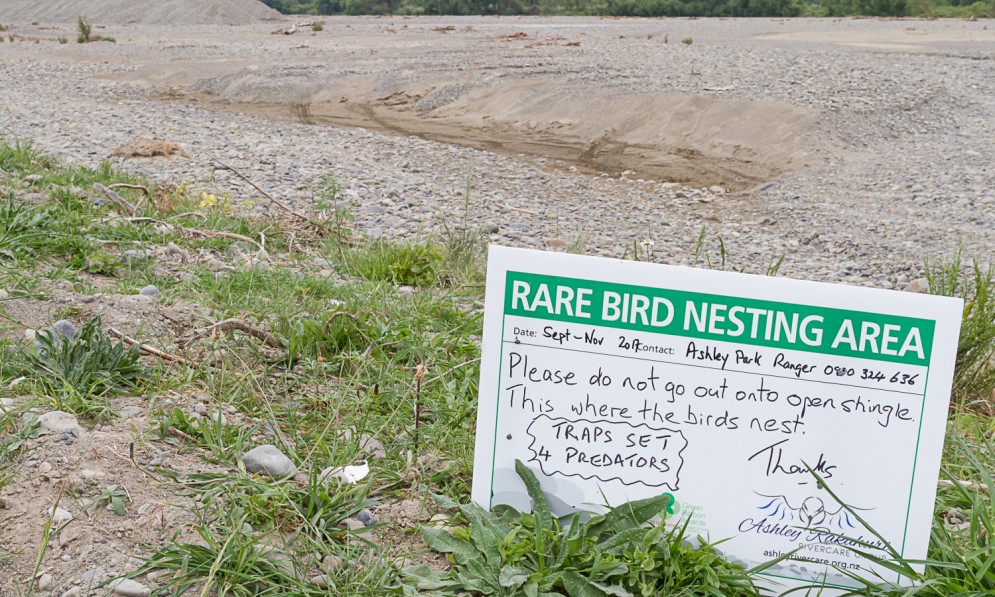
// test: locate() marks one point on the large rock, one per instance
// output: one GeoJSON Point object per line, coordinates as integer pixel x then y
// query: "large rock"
{"type": "Point", "coordinates": [59, 421]}
{"type": "Point", "coordinates": [268, 460]}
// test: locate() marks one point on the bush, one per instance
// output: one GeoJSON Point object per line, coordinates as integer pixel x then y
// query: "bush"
{"type": "Point", "coordinates": [84, 30]}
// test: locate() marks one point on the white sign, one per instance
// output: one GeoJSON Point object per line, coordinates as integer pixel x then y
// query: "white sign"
{"type": "Point", "coordinates": [622, 380]}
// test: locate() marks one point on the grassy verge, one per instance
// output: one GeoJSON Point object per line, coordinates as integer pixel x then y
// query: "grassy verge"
{"type": "Point", "coordinates": [349, 350]}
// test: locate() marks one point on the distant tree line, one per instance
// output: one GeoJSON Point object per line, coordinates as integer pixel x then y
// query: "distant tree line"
{"type": "Point", "coordinates": [644, 8]}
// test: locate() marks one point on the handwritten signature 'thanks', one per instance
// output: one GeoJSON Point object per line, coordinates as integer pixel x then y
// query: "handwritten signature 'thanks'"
{"type": "Point", "coordinates": [779, 463]}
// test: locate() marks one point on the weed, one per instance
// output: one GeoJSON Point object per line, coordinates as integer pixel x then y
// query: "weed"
{"type": "Point", "coordinates": [687, 41]}
{"type": "Point", "coordinates": [317, 26]}
{"type": "Point", "coordinates": [80, 372]}
{"type": "Point", "coordinates": [63, 40]}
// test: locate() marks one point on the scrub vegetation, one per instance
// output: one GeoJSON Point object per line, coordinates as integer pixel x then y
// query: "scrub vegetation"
{"type": "Point", "coordinates": [349, 350]}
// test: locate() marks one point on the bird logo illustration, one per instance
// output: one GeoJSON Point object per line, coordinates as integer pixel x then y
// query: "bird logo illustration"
{"type": "Point", "coordinates": [810, 514]}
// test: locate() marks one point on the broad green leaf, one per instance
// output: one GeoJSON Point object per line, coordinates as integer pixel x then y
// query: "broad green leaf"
{"type": "Point", "coordinates": [440, 540]}
{"type": "Point", "coordinates": [425, 578]}
{"type": "Point", "coordinates": [614, 590]}
{"type": "Point", "coordinates": [513, 577]}
{"type": "Point", "coordinates": [540, 510]}
{"type": "Point", "coordinates": [620, 541]}
{"type": "Point", "coordinates": [445, 502]}
{"type": "Point", "coordinates": [630, 514]}
{"type": "Point", "coordinates": [540, 506]}
{"type": "Point", "coordinates": [578, 586]}
{"type": "Point", "coordinates": [484, 537]}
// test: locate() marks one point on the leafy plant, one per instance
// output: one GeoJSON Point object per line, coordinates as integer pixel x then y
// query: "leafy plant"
{"type": "Point", "coordinates": [114, 497]}
{"type": "Point", "coordinates": [687, 41]}
{"type": "Point", "coordinates": [79, 372]}
{"type": "Point", "coordinates": [507, 553]}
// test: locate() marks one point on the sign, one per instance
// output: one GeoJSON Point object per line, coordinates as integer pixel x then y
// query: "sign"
{"type": "Point", "coordinates": [619, 380]}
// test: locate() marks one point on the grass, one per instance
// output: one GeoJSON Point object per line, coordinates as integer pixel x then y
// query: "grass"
{"type": "Point", "coordinates": [384, 348]}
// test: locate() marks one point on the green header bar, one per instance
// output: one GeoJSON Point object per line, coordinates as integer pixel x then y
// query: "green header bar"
{"type": "Point", "coordinates": [755, 322]}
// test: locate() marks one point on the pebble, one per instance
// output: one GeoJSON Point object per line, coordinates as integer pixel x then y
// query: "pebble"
{"type": "Point", "coordinates": [216, 265]}
{"type": "Point", "coordinates": [135, 257]}
{"type": "Point", "coordinates": [917, 285]}
{"type": "Point", "coordinates": [64, 328]}
{"type": "Point", "coordinates": [73, 592]}
{"type": "Point", "coordinates": [321, 581]}
{"type": "Point", "coordinates": [44, 582]}
{"type": "Point", "coordinates": [58, 421]}
{"type": "Point", "coordinates": [366, 518]}
{"type": "Point", "coordinates": [268, 460]}
{"type": "Point", "coordinates": [332, 563]}
{"type": "Point", "coordinates": [91, 575]}
{"type": "Point", "coordinates": [60, 517]}
{"type": "Point", "coordinates": [150, 291]}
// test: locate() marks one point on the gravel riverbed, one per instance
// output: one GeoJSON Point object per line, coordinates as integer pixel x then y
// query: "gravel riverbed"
{"type": "Point", "coordinates": [896, 164]}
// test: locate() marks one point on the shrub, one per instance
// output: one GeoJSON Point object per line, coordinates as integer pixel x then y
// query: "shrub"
{"type": "Point", "coordinates": [84, 29]}
{"type": "Point", "coordinates": [687, 41]}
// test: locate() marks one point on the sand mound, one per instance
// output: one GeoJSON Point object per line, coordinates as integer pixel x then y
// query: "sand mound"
{"type": "Point", "coordinates": [147, 12]}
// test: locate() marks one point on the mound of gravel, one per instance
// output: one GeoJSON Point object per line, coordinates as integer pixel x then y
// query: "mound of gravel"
{"type": "Point", "coordinates": [147, 12]}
